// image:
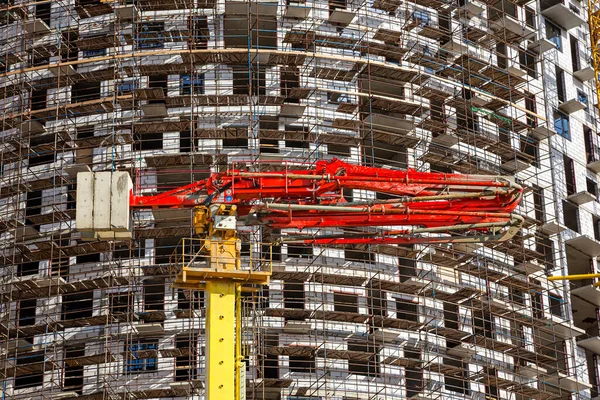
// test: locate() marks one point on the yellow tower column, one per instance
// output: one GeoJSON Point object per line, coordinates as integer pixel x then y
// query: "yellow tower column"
{"type": "Point", "coordinates": [220, 340]}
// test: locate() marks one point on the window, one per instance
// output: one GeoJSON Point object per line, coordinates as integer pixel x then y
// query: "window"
{"type": "Point", "coordinates": [293, 295]}
{"type": "Point", "coordinates": [530, 17]}
{"type": "Point", "coordinates": [26, 312]}
{"type": "Point", "coordinates": [304, 364]}
{"type": "Point", "coordinates": [30, 268]}
{"type": "Point", "coordinates": [154, 295]}
{"type": "Point", "coordinates": [94, 53]}
{"type": "Point", "coordinates": [73, 380]}
{"type": "Point", "coordinates": [527, 61]}
{"type": "Point", "coordinates": [591, 186]}
{"type": "Point", "coordinates": [553, 34]}
{"type": "Point", "coordinates": [571, 216]}
{"type": "Point", "coordinates": [561, 124]}
{"type": "Point", "coordinates": [560, 84]}
{"type": "Point", "coordinates": [150, 35]}
{"type": "Point", "coordinates": [582, 98]}
{"type": "Point", "coordinates": [556, 304]}
{"type": "Point", "coordinates": [530, 105]}
{"type": "Point", "coordinates": [124, 88]}
{"type": "Point", "coordinates": [192, 84]}
{"type": "Point", "coordinates": [24, 379]}
{"type": "Point", "coordinates": [530, 146]}
{"type": "Point", "coordinates": [200, 32]}
{"type": "Point", "coordinates": [345, 302]}
{"type": "Point", "coordinates": [77, 305]}
{"type": "Point", "coordinates": [121, 303]}
{"type": "Point", "coordinates": [569, 165]}
{"type": "Point", "coordinates": [249, 82]}
{"type": "Point", "coordinates": [574, 44]}
{"type": "Point", "coordinates": [83, 91]}
{"type": "Point", "coordinates": [142, 356]}
{"type": "Point", "coordinates": [421, 17]}
{"type": "Point", "coordinates": [501, 55]}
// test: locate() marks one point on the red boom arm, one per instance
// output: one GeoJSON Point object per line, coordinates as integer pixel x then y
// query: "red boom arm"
{"type": "Point", "coordinates": [423, 202]}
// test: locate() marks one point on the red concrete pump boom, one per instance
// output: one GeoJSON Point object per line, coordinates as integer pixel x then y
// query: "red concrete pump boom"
{"type": "Point", "coordinates": [423, 206]}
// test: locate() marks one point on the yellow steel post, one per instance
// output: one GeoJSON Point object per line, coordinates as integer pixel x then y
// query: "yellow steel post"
{"type": "Point", "coordinates": [220, 340]}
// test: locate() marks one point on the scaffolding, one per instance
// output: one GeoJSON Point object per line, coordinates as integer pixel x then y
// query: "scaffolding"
{"type": "Point", "coordinates": [171, 90]}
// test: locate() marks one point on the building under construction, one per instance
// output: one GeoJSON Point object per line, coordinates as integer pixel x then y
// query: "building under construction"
{"type": "Point", "coordinates": [173, 90]}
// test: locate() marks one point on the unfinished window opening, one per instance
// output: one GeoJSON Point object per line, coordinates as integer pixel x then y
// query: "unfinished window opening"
{"type": "Point", "coordinates": [148, 141]}
{"type": "Point", "coordinates": [190, 299]}
{"type": "Point", "coordinates": [369, 367]}
{"type": "Point", "coordinates": [28, 268]}
{"type": "Point", "coordinates": [339, 150]}
{"type": "Point", "coordinates": [491, 392]}
{"type": "Point", "coordinates": [530, 105]}
{"type": "Point", "coordinates": [73, 379]}
{"type": "Point", "coordinates": [571, 216]}
{"type": "Point", "coordinates": [538, 203]}
{"type": "Point", "coordinates": [531, 147]}
{"type": "Point", "coordinates": [359, 255]}
{"type": "Point", "coordinates": [569, 175]}
{"type": "Point", "coordinates": [154, 295]}
{"type": "Point", "coordinates": [150, 35]}
{"type": "Point", "coordinates": [517, 296]}
{"type": "Point", "coordinates": [596, 223]}
{"type": "Point", "coordinates": [348, 195]}
{"type": "Point", "coordinates": [302, 364]}
{"type": "Point", "coordinates": [200, 34]}
{"type": "Point", "coordinates": [186, 365]}
{"type": "Point", "coordinates": [77, 305]}
{"type": "Point", "coordinates": [556, 304]}
{"type": "Point", "coordinates": [407, 310]}
{"type": "Point", "coordinates": [293, 295]}
{"type": "Point", "coordinates": [39, 97]}
{"type": "Point", "coordinates": [87, 258]}
{"type": "Point", "coordinates": [23, 379]}
{"type": "Point", "coordinates": [414, 381]}
{"type": "Point", "coordinates": [591, 186]}
{"type": "Point", "coordinates": [483, 323]}
{"type": "Point", "coordinates": [343, 302]}
{"type": "Point", "coordinates": [337, 5]}
{"type": "Point", "coordinates": [377, 303]}
{"type": "Point", "coordinates": [249, 82]}
{"type": "Point", "coordinates": [545, 246]}
{"type": "Point", "coordinates": [192, 84]}
{"type": "Point", "coordinates": [574, 45]}
{"type": "Point", "coordinates": [33, 206]}
{"type": "Point", "coordinates": [406, 268]}
{"type": "Point", "coordinates": [121, 303]}
{"type": "Point", "coordinates": [591, 150]}
{"type": "Point", "coordinates": [26, 312]}
{"type": "Point", "coordinates": [383, 153]}
{"type": "Point", "coordinates": [528, 62]}
{"type": "Point", "coordinates": [296, 137]}
{"type": "Point", "coordinates": [268, 364]}
{"type": "Point", "coordinates": [43, 11]}
{"type": "Point", "coordinates": [85, 91]}
{"type": "Point", "coordinates": [238, 138]}
{"type": "Point", "coordinates": [299, 251]}
{"type": "Point", "coordinates": [263, 28]}
{"type": "Point", "coordinates": [164, 249]}
{"type": "Point", "coordinates": [530, 18]}
{"type": "Point", "coordinates": [141, 356]}
{"type": "Point", "coordinates": [501, 55]}
{"type": "Point", "coordinates": [457, 383]}
{"type": "Point", "coordinates": [290, 80]}
{"type": "Point", "coordinates": [560, 84]}
{"type": "Point", "coordinates": [185, 141]}
{"type": "Point", "coordinates": [41, 158]}
{"type": "Point", "coordinates": [451, 315]}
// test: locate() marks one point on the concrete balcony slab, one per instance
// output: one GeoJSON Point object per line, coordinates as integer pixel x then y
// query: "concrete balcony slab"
{"type": "Point", "coordinates": [571, 106]}
{"type": "Point", "coordinates": [589, 293]}
{"type": "Point", "coordinates": [585, 244]}
{"type": "Point", "coordinates": [584, 74]}
{"type": "Point", "coordinates": [563, 16]}
{"type": "Point", "coordinates": [582, 197]}
{"type": "Point", "coordinates": [592, 344]}
{"type": "Point", "coordinates": [552, 228]}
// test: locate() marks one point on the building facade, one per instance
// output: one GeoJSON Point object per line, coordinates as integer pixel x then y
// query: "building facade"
{"type": "Point", "coordinates": [170, 90]}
